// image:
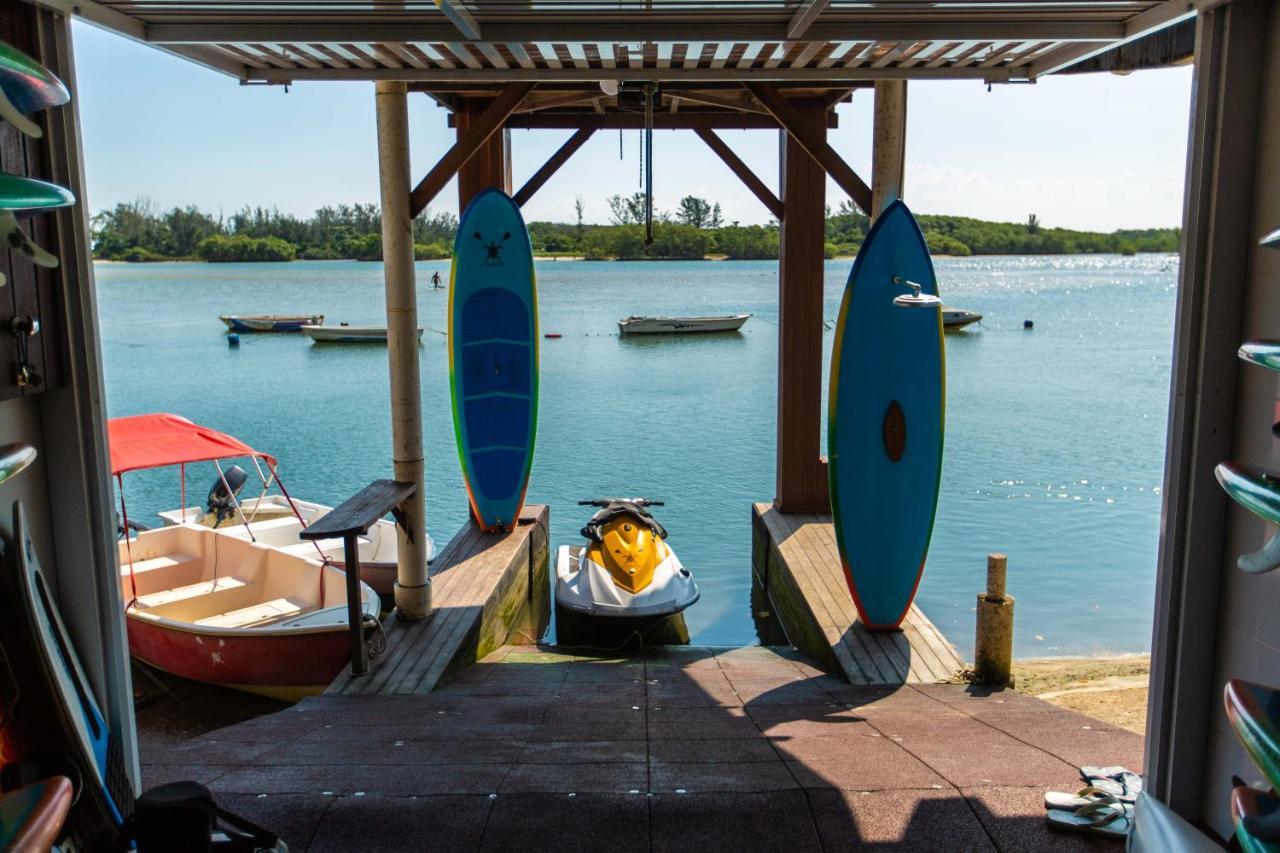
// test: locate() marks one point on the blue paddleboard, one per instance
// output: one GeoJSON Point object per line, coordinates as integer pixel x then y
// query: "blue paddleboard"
{"type": "Point", "coordinates": [493, 356]}
{"type": "Point", "coordinates": [885, 420]}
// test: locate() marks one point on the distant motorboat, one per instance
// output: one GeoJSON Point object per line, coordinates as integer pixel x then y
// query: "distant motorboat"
{"type": "Point", "coordinates": [679, 325]}
{"type": "Point", "coordinates": [270, 322]}
{"type": "Point", "coordinates": [348, 334]}
{"type": "Point", "coordinates": [958, 318]}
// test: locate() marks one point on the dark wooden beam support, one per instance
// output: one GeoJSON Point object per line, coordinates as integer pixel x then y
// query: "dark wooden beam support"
{"type": "Point", "coordinates": [801, 471]}
{"type": "Point", "coordinates": [470, 141]}
{"type": "Point", "coordinates": [490, 166]}
{"type": "Point", "coordinates": [552, 165]}
{"type": "Point", "coordinates": [744, 173]}
{"type": "Point", "coordinates": [806, 134]}
{"type": "Point", "coordinates": [685, 119]}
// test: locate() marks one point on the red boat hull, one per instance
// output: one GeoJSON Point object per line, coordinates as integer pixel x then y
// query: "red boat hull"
{"type": "Point", "coordinates": [287, 666]}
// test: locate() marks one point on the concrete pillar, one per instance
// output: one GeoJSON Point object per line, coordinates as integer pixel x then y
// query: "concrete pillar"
{"type": "Point", "coordinates": [993, 648]}
{"type": "Point", "coordinates": [413, 586]}
{"type": "Point", "coordinates": [888, 144]}
{"type": "Point", "coordinates": [801, 471]}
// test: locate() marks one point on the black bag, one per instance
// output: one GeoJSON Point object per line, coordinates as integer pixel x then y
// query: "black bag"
{"type": "Point", "coordinates": [182, 816]}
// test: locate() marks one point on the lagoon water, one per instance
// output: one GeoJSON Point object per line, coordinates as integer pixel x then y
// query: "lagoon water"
{"type": "Point", "coordinates": [1054, 446]}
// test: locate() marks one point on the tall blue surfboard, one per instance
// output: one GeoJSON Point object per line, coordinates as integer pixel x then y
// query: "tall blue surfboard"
{"type": "Point", "coordinates": [493, 357]}
{"type": "Point", "coordinates": [885, 420]}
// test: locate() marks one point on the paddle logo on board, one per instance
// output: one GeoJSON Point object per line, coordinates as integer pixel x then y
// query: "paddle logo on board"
{"type": "Point", "coordinates": [493, 251]}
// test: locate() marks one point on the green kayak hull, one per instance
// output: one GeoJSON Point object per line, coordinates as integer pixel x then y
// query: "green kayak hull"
{"type": "Point", "coordinates": [1253, 711]}
{"type": "Point", "coordinates": [1265, 353]}
{"type": "Point", "coordinates": [1249, 805]}
{"type": "Point", "coordinates": [1254, 490]}
{"type": "Point", "coordinates": [29, 86]}
{"type": "Point", "coordinates": [18, 193]}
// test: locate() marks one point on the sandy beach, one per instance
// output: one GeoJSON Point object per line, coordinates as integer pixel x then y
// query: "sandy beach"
{"type": "Point", "coordinates": [1112, 688]}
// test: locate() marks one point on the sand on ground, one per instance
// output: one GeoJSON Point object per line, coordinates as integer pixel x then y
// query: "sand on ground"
{"type": "Point", "coordinates": [1113, 689]}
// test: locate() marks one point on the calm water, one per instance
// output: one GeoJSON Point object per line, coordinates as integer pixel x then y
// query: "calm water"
{"type": "Point", "coordinates": [1055, 437]}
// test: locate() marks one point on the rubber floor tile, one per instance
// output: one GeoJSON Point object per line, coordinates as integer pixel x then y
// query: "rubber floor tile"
{"type": "Point", "coordinates": [743, 823]}
{"type": "Point", "coordinates": [590, 823]}
{"type": "Point", "coordinates": [373, 823]}
{"type": "Point", "coordinates": [905, 821]}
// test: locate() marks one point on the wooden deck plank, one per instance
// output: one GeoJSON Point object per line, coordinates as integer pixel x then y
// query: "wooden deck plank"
{"type": "Point", "coordinates": [471, 580]}
{"type": "Point", "coordinates": [800, 555]}
{"type": "Point", "coordinates": [825, 607]}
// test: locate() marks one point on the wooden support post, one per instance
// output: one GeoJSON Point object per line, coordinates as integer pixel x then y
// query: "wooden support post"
{"type": "Point", "coordinates": [490, 166]}
{"type": "Point", "coordinates": [413, 585]}
{"type": "Point", "coordinates": [744, 173]}
{"type": "Point", "coordinates": [479, 126]}
{"type": "Point", "coordinates": [889, 145]}
{"type": "Point", "coordinates": [811, 136]}
{"type": "Point", "coordinates": [993, 646]}
{"type": "Point", "coordinates": [549, 168]}
{"type": "Point", "coordinates": [801, 473]}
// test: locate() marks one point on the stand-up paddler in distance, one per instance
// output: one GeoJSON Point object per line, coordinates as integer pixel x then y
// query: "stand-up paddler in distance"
{"type": "Point", "coordinates": [493, 357]}
{"type": "Point", "coordinates": [885, 418]}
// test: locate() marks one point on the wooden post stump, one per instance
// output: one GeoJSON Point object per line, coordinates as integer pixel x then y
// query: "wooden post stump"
{"type": "Point", "coordinates": [993, 647]}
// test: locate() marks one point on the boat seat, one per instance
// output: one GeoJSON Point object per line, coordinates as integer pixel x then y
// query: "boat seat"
{"type": "Point", "coordinates": [261, 613]}
{"type": "Point", "coordinates": [160, 573]}
{"type": "Point", "coordinates": [333, 547]}
{"type": "Point", "coordinates": [182, 593]}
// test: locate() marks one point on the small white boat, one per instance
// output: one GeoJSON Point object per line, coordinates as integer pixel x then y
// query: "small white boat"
{"type": "Point", "coordinates": [348, 334]}
{"type": "Point", "coordinates": [220, 608]}
{"type": "Point", "coordinates": [958, 318]}
{"type": "Point", "coordinates": [679, 325]}
{"type": "Point", "coordinates": [270, 322]}
{"type": "Point", "coordinates": [269, 520]}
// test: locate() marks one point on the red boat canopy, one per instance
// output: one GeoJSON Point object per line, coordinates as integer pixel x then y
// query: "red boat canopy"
{"type": "Point", "coordinates": [154, 441]}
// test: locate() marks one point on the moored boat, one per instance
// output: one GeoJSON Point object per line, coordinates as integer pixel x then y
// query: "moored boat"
{"type": "Point", "coordinates": [270, 322]}
{"type": "Point", "coordinates": [210, 606]}
{"type": "Point", "coordinates": [659, 325]}
{"type": "Point", "coordinates": [276, 522]}
{"type": "Point", "coordinates": [958, 318]}
{"type": "Point", "coordinates": [348, 334]}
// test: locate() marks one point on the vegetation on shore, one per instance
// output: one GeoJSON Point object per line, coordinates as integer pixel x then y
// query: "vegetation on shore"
{"type": "Point", "coordinates": [139, 231]}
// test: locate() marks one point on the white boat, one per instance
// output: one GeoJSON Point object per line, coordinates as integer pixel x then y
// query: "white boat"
{"type": "Point", "coordinates": [958, 318]}
{"type": "Point", "coordinates": [679, 325]}
{"type": "Point", "coordinates": [269, 322]}
{"type": "Point", "coordinates": [345, 333]}
{"type": "Point", "coordinates": [212, 606]}
{"type": "Point", "coordinates": [270, 521]}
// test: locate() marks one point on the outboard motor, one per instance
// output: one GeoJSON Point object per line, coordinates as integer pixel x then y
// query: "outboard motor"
{"type": "Point", "coordinates": [221, 503]}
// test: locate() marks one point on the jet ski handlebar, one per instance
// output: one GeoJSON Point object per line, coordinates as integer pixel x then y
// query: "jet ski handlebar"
{"type": "Point", "coordinates": [603, 502]}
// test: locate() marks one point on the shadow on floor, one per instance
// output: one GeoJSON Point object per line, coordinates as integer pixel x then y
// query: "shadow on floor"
{"type": "Point", "coordinates": [681, 749]}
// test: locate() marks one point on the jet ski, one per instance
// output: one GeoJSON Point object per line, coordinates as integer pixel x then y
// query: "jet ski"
{"type": "Point", "coordinates": [625, 578]}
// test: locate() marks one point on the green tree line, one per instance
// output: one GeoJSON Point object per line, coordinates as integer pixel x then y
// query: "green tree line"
{"type": "Point", "coordinates": [139, 231]}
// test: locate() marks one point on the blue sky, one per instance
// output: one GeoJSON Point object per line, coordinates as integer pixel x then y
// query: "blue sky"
{"type": "Point", "coordinates": [1089, 151]}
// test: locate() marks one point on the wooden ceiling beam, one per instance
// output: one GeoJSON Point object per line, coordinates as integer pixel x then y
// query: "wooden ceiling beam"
{"type": "Point", "coordinates": [744, 173]}
{"type": "Point", "coordinates": [816, 145]}
{"type": "Point", "coordinates": [685, 119]}
{"type": "Point", "coordinates": [553, 164]}
{"type": "Point", "coordinates": [607, 32]}
{"type": "Point", "coordinates": [485, 125]}
{"type": "Point", "coordinates": [460, 18]}
{"type": "Point", "coordinates": [805, 16]}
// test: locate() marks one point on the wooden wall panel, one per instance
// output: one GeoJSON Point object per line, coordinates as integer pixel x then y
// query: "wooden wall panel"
{"type": "Point", "coordinates": [31, 290]}
{"type": "Point", "coordinates": [488, 167]}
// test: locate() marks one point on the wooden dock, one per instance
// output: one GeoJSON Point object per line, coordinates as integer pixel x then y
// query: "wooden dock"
{"type": "Point", "coordinates": [488, 590]}
{"type": "Point", "coordinates": [796, 561]}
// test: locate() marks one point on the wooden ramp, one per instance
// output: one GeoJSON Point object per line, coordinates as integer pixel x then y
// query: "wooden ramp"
{"type": "Point", "coordinates": [796, 561]}
{"type": "Point", "coordinates": [487, 590]}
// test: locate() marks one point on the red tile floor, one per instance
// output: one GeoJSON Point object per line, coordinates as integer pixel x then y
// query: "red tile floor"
{"type": "Point", "coordinates": [681, 750]}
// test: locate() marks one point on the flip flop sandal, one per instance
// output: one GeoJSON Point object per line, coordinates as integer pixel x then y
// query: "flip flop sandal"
{"type": "Point", "coordinates": [1081, 798]}
{"type": "Point", "coordinates": [1101, 820]}
{"type": "Point", "coordinates": [1120, 781]}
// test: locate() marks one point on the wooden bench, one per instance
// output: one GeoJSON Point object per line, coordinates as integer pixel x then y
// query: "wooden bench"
{"type": "Point", "coordinates": [349, 521]}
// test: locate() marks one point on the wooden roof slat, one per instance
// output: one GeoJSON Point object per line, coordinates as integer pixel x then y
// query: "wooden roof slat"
{"type": "Point", "coordinates": [519, 54]}
{"type": "Point", "coordinates": [692, 51]}
{"type": "Point", "coordinates": [998, 54]}
{"type": "Point", "coordinates": [492, 53]}
{"type": "Point", "coordinates": [970, 56]}
{"type": "Point", "coordinates": [400, 53]}
{"type": "Point", "coordinates": [242, 55]}
{"type": "Point", "coordinates": [708, 54]}
{"type": "Point", "coordinates": [805, 56]}
{"type": "Point", "coordinates": [264, 53]}
{"type": "Point", "coordinates": [357, 56]}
